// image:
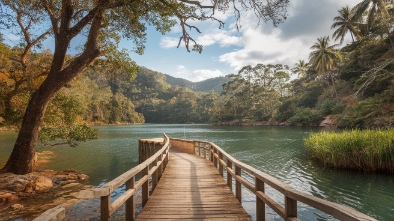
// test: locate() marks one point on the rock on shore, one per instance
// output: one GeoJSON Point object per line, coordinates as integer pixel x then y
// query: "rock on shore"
{"type": "Point", "coordinates": [26, 196]}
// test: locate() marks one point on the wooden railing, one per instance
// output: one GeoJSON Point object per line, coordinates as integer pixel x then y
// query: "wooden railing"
{"type": "Point", "coordinates": [150, 169]}
{"type": "Point", "coordinates": [234, 169]}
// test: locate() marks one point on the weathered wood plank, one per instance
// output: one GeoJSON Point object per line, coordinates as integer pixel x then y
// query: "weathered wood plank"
{"type": "Point", "coordinates": [191, 188]}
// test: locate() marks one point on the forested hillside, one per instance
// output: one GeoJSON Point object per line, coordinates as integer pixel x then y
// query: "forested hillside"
{"type": "Point", "coordinates": [208, 85]}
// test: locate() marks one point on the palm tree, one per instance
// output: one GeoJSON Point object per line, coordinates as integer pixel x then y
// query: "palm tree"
{"type": "Point", "coordinates": [345, 22]}
{"type": "Point", "coordinates": [375, 8]}
{"type": "Point", "coordinates": [325, 57]}
{"type": "Point", "coordinates": [301, 68]}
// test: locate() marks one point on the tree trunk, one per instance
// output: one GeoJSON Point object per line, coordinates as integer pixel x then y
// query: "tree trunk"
{"type": "Point", "coordinates": [21, 159]}
{"type": "Point", "coordinates": [333, 84]}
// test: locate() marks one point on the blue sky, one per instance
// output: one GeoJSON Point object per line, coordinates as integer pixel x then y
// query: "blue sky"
{"type": "Point", "coordinates": [227, 50]}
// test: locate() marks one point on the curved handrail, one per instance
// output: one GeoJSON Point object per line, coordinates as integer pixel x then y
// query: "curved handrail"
{"type": "Point", "coordinates": [292, 196]}
{"type": "Point", "coordinates": [150, 168]}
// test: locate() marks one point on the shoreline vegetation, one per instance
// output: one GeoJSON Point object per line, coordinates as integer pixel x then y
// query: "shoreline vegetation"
{"type": "Point", "coordinates": [363, 150]}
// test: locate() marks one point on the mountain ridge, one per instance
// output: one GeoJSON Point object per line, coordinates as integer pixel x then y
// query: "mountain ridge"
{"type": "Point", "coordinates": [207, 85]}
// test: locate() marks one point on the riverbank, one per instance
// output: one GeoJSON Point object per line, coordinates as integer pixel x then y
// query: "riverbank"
{"type": "Point", "coordinates": [329, 121]}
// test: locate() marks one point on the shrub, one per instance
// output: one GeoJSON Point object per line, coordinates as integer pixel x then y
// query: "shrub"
{"type": "Point", "coordinates": [306, 117]}
{"type": "Point", "coordinates": [367, 150]}
{"type": "Point", "coordinates": [330, 106]}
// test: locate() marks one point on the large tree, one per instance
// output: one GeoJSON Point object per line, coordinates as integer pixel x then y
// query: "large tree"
{"type": "Point", "coordinates": [300, 68]}
{"type": "Point", "coordinates": [345, 22]}
{"type": "Point", "coordinates": [100, 24]}
{"type": "Point", "coordinates": [374, 8]}
{"type": "Point", "coordinates": [324, 58]}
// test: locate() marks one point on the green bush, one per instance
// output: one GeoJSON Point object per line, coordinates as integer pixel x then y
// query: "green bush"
{"type": "Point", "coordinates": [330, 106]}
{"type": "Point", "coordinates": [367, 150]}
{"type": "Point", "coordinates": [70, 135]}
{"type": "Point", "coordinates": [306, 117]}
{"type": "Point", "coordinates": [366, 114]}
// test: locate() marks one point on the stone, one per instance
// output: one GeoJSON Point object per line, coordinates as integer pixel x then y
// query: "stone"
{"type": "Point", "coordinates": [17, 207]}
{"type": "Point", "coordinates": [328, 122]}
{"type": "Point", "coordinates": [70, 185]}
{"type": "Point", "coordinates": [43, 184]}
{"type": "Point", "coordinates": [59, 200]}
{"type": "Point", "coordinates": [7, 197]}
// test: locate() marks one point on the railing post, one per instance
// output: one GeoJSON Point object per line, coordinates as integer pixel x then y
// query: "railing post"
{"type": "Point", "coordinates": [196, 144]}
{"type": "Point", "coordinates": [104, 208]}
{"type": "Point", "coordinates": [160, 169]}
{"type": "Point", "coordinates": [205, 151]}
{"type": "Point", "coordinates": [238, 185]}
{"type": "Point", "coordinates": [130, 205]}
{"type": "Point", "coordinates": [168, 155]}
{"type": "Point", "coordinates": [154, 175]}
{"type": "Point", "coordinates": [139, 151]}
{"type": "Point", "coordinates": [220, 164]}
{"type": "Point", "coordinates": [215, 160]}
{"type": "Point", "coordinates": [290, 207]}
{"type": "Point", "coordinates": [211, 153]}
{"type": "Point", "coordinates": [229, 177]}
{"type": "Point", "coordinates": [260, 205]}
{"type": "Point", "coordinates": [145, 186]}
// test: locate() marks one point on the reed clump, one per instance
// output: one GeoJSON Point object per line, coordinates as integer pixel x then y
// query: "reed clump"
{"type": "Point", "coordinates": [367, 150]}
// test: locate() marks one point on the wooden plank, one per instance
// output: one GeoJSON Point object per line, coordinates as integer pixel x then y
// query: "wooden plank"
{"type": "Point", "coordinates": [191, 188]}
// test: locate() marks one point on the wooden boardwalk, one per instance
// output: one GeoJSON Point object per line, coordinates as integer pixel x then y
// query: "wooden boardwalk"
{"type": "Point", "coordinates": [191, 188]}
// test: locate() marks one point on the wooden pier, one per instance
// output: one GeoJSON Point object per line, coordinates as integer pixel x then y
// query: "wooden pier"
{"type": "Point", "coordinates": [191, 188]}
{"type": "Point", "coordinates": [198, 180]}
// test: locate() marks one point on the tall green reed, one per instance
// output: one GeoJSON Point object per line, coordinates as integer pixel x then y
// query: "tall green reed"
{"type": "Point", "coordinates": [367, 150]}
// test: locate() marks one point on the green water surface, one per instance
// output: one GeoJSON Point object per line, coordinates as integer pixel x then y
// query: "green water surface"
{"type": "Point", "coordinates": [277, 151]}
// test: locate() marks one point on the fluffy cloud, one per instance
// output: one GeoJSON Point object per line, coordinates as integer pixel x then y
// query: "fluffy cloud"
{"type": "Point", "coordinates": [168, 42]}
{"type": "Point", "coordinates": [200, 75]}
{"type": "Point", "coordinates": [221, 38]}
{"type": "Point", "coordinates": [263, 48]}
{"type": "Point", "coordinates": [196, 75]}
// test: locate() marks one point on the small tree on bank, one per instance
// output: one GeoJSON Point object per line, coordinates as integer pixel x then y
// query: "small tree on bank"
{"type": "Point", "coordinates": [101, 24]}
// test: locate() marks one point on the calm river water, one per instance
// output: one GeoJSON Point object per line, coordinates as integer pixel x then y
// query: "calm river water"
{"type": "Point", "coordinates": [278, 151]}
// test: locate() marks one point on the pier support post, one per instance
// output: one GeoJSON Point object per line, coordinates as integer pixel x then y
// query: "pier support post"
{"type": "Point", "coordinates": [154, 175]}
{"type": "Point", "coordinates": [130, 204]}
{"type": "Point", "coordinates": [104, 208]}
{"type": "Point", "coordinates": [145, 186]}
{"type": "Point", "coordinates": [220, 163]}
{"type": "Point", "coordinates": [260, 205]}
{"type": "Point", "coordinates": [229, 176]}
{"type": "Point", "coordinates": [238, 185]}
{"type": "Point", "coordinates": [290, 207]}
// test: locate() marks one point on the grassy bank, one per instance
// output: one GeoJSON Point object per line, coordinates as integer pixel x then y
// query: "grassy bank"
{"type": "Point", "coordinates": [367, 150]}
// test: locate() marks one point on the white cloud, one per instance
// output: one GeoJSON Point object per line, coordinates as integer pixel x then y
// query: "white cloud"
{"type": "Point", "coordinates": [200, 75]}
{"type": "Point", "coordinates": [168, 42]}
{"type": "Point", "coordinates": [196, 75]}
{"type": "Point", "coordinates": [266, 49]}
{"type": "Point", "coordinates": [222, 38]}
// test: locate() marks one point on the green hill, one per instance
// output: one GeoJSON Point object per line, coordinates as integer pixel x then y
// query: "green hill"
{"type": "Point", "coordinates": [203, 86]}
